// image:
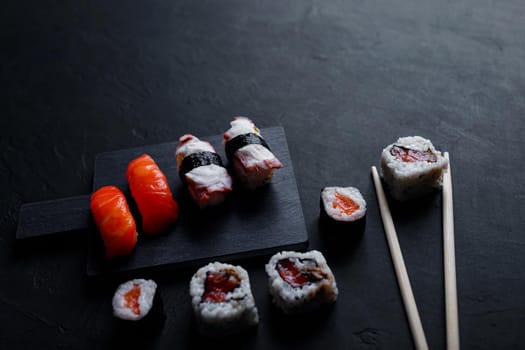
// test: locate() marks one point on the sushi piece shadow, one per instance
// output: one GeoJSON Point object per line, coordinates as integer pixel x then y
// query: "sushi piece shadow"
{"type": "Point", "coordinates": [164, 273]}
{"type": "Point", "coordinates": [414, 209]}
{"type": "Point", "coordinates": [52, 244]}
{"type": "Point", "coordinates": [338, 243]}
{"type": "Point", "coordinates": [244, 339]}
{"type": "Point", "coordinates": [143, 333]}
{"type": "Point", "coordinates": [241, 203]}
{"type": "Point", "coordinates": [287, 327]}
{"type": "Point", "coordinates": [199, 222]}
{"type": "Point", "coordinates": [251, 202]}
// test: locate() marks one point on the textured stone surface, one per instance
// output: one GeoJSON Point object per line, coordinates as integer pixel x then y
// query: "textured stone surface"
{"type": "Point", "coordinates": [344, 78]}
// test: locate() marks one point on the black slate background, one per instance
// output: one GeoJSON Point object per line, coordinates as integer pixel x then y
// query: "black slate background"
{"type": "Point", "coordinates": [344, 78]}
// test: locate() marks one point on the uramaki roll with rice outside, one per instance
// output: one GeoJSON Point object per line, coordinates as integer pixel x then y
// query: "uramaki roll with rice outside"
{"type": "Point", "coordinates": [222, 299]}
{"type": "Point", "coordinates": [300, 282]}
{"type": "Point", "coordinates": [412, 167]}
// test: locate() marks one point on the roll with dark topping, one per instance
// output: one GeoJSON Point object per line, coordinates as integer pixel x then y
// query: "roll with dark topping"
{"type": "Point", "coordinates": [300, 282]}
{"type": "Point", "coordinates": [412, 167]}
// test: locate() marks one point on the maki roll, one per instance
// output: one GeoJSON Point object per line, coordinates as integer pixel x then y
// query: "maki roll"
{"type": "Point", "coordinates": [133, 299]}
{"type": "Point", "coordinates": [412, 167]}
{"type": "Point", "coordinates": [114, 220]}
{"type": "Point", "coordinates": [250, 155]}
{"type": "Point", "coordinates": [151, 191]}
{"type": "Point", "coordinates": [300, 282]}
{"type": "Point", "coordinates": [222, 299]}
{"type": "Point", "coordinates": [202, 170]}
{"type": "Point", "coordinates": [343, 207]}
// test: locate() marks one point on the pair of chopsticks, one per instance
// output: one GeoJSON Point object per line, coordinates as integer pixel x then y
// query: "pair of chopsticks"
{"type": "Point", "coordinates": [451, 303]}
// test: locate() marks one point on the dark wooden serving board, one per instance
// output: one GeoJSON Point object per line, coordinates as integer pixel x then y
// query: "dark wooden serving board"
{"type": "Point", "coordinates": [54, 216]}
{"type": "Point", "coordinates": [249, 223]}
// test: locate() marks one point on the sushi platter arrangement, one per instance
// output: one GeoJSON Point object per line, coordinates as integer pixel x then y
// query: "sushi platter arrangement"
{"type": "Point", "coordinates": [221, 295]}
{"type": "Point", "coordinates": [181, 204]}
{"type": "Point", "coordinates": [206, 228]}
{"type": "Point", "coordinates": [203, 229]}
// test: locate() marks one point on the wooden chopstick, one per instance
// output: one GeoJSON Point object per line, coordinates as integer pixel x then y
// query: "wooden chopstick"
{"type": "Point", "coordinates": [414, 321]}
{"type": "Point", "coordinates": [449, 260]}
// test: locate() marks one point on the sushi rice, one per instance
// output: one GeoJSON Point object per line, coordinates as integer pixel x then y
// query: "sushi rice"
{"type": "Point", "coordinates": [127, 305]}
{"type": "Point", "coordinates": [320, 289]}
{"type": "Point", "coordinates": [334, 212]}
{"type": "Point", "coordinates": [253, 162]}
{"type": "Point", "coordinates": [208, 184]}
{"type": "Point", "coordinates": [408, 177]}
{"type": "Point", "coordinates": [235, 312]}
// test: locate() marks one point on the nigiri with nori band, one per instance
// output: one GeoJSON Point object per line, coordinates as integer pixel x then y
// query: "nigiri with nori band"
{"type": "Point", "coordinates": [252, 159]}
{"type": "Point", "coordinates": [114, 220]}
{"type": "Point", "coordinates": [150, 190]}
{"type": "Point", "coordinates": [201, 169]}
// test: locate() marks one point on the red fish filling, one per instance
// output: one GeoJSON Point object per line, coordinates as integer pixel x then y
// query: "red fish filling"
{"type": "Point", "coordinates": [345, 204]}
{"type": "Point", "coordinates": [408, 155]}
{"type": "Point", "coordinates": [296, 277]}
{"type": "Point", "coordinates": [132, 299]}
{"type": "Point", "coordinates": [218, 284]}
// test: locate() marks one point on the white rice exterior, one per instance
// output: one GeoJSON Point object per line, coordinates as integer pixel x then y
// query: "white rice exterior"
{"type": "Point", "coordinates": [145, 300]}
{"type": "Point", "coordinates": [301, 299]}
{"type": "Point", "coordinates": [328, 197]}
{"type": "Point", "coordinates": [407, 180]}
{"type": "Point", "coordinates": [208, 184]}
{"type": "Point", "coordinates": [253, 163]}
{"type": "Point", "coordinates": [237, 312]}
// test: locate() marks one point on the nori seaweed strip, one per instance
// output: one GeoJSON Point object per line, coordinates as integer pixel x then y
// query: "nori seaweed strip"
{"type": "Point", "coordinates": [196, 160]}
{"type": "Point", "coordinates": [240, 141]}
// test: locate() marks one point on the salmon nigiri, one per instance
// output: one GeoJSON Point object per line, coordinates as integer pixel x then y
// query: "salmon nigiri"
{"type": "Point", "coordinates": [149, 187]}
{"type": "Point", "coordinates": [114, 221]}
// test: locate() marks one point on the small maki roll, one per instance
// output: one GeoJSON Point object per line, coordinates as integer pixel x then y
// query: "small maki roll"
{"type": "Point", "coordinates": [252, 159]}
{"type": "Point", "coordinates": [300, 282]}
{"type": "Point", "coordinates": [222, 299]}
{"type": "Point", "coordinates": [343, 207]}
{"type": "Point", "coordinates": [133, 299]}
{"type": "Point", "coordinates": [412, 167]}
{"type": "Point", "coordinates": [202, 170]}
